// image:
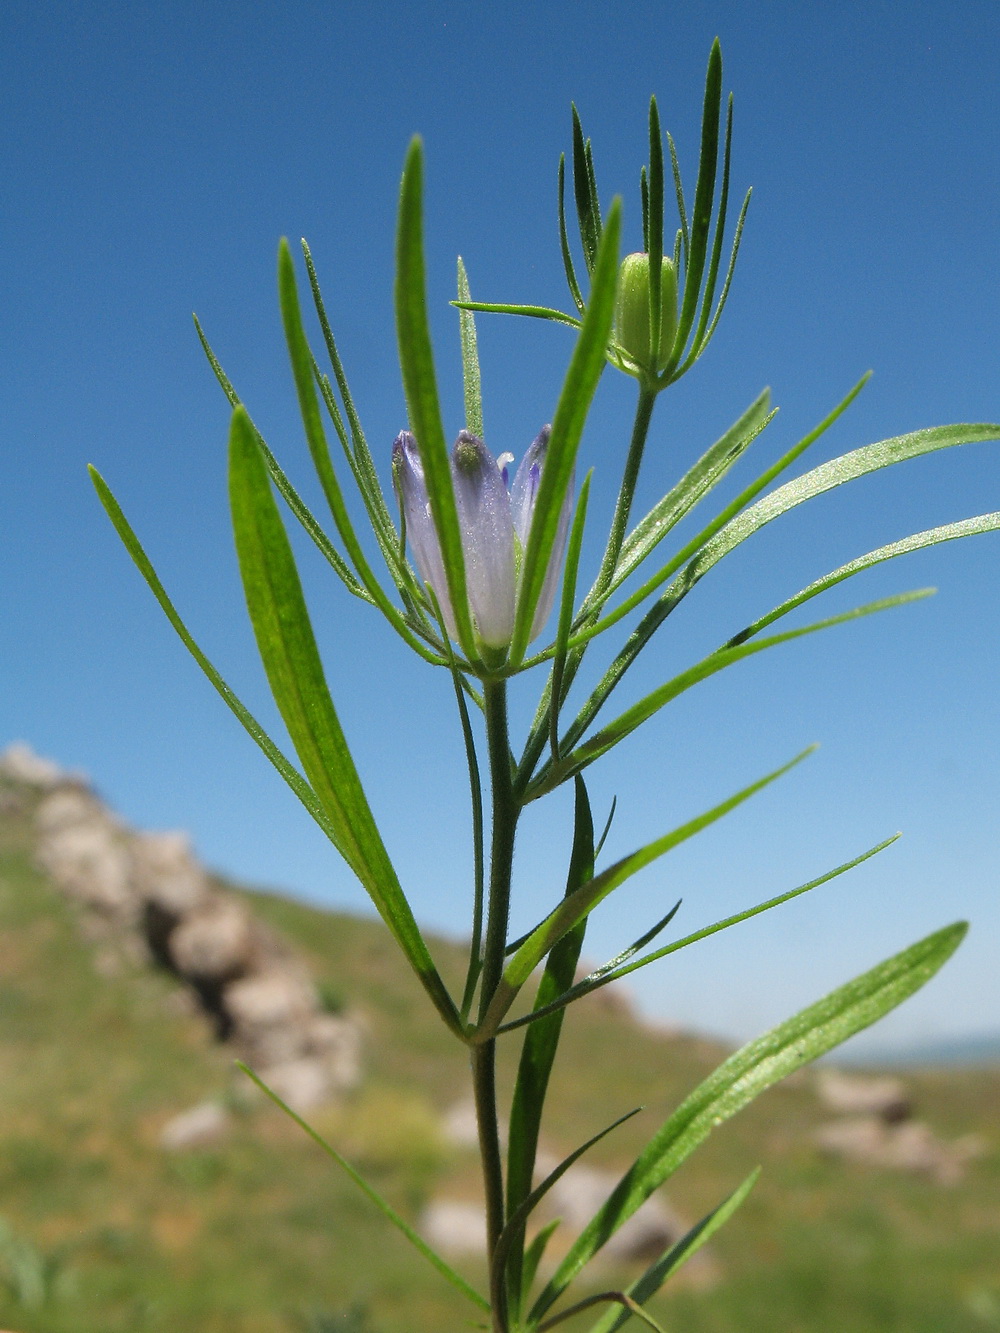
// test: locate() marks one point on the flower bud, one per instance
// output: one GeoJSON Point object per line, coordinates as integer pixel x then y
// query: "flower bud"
{"type": "Point", "coordinates": [632, 318]}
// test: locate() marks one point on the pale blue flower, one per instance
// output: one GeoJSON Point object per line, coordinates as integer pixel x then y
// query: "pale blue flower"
{"type": "Point", "coordinates": [495, 525]}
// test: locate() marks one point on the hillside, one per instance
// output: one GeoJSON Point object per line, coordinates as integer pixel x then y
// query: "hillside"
{"type": "Point", "coordinates": [104, 1230]}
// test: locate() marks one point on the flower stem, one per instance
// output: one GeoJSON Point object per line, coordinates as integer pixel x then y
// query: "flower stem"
{"type": "Point", "coordinates": [623, 506]}
{"type": "Point", "coordinates": [505, 813]}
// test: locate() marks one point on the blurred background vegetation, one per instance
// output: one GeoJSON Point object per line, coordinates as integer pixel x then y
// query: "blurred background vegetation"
{"type": "Point", "coordinates": [104, 1229]}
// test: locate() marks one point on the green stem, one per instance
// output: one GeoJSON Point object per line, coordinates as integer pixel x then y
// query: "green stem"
{"type": "Point", "coordinates": [623, 506]}
{"type": "Point", "coordinates": [505, 813]}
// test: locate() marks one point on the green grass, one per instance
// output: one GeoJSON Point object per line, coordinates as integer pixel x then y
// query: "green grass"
{"type": "Point", "coordinates": [107, 1233]}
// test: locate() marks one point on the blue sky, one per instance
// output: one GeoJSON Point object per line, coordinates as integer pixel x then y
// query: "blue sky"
{"type": "Point", "coordinates": [154, 155]}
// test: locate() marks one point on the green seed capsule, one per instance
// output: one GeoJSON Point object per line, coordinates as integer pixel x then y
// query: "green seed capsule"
{"type": "Point", "coordinates": [632, 316]}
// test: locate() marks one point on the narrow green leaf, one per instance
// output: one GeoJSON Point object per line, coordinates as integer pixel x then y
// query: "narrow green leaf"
{"type": "Point", "coordinates": [578, 389]}
{"type": "Point", "coordinates": [553, 774]}
{"type": "Point", "coordinates": [533, 1257]}
{"type": "Point", "coordinates": [132, 544]}
{"type": "Point", "coordinates": [848, 467]}
{"type": "Point", "coordinates": [654, 1277]}
{"type": "Point", "coordinates": [733, 256]}
{"type": "Point", "coordinates": [531, 311]}
{"type": "Point", "coordinates": [622, 965]}
{"type": "Point", "coordinates": [602, 1298]}
{"type": "Point", "coordinates": [295, 673]}
{"type": "Point", "coordinates": [699, 341]}
{"type": "Point", "coordinates": [384, 1207]}
{"type": "Point", "coordinates": [539, 1049]}
{"type": "Point", "coordinates": [969, 527]}
{"type": "Point", "coordinates": [746, 1074]}
{"type": "Point", "coordinates": [684, 235]}
{"type": "Point", "coordinates": [589, 225]}
{"type": "Point", "coordinates": [567, 255]}
{"type": "Point", "coordinates": [644, 191]}
{"type": "Point", "coordinates": [654, 244]}
{"type": "Point", "coordinates": [690, 572]}
{"type": "Point", "coordinates": [416, 360]}
{"type": "Point", "coordinates": [471, 381]}
{"type": "Point", "coordinates": [575, 906]}
{"type": "Point", "coordinates": [511, 1237]}
{"type": "Point", "coordinates": [701, 216]}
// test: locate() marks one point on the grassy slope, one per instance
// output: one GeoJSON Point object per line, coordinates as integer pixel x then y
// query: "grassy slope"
{"type": "Point", "coordinates": [250, 1236]}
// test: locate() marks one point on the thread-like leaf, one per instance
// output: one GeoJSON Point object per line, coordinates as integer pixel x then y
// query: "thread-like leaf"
{"type": "Point", "coordinates": [746, 1074]}
{"type": "Point", "coordinates": [288, 492]}
{"type": "Point", "coordinates": [575, 906]}
{"type": "Point", "coordinates": [622, 965]}
{"type": "Point", "coordinates": [384, 1207]}
{"type": "Point", "coordinates": [553, 774]}
{"type": "Point", "coordinates": [142, 562]}
{"type": "Point", "coordinates": [657, 1273]}
{"type": "Point", "coordinates": [588, 223]}
{"type": "Point", "coordinates": [567, 254]}
{"type": "Point", "coordinates": [969, 527]}
{"type": "Point", "coordinates": [303, 371]}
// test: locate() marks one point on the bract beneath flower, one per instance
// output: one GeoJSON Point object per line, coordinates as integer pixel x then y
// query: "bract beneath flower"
{"type": "Point", "coordinates": [495, 526]}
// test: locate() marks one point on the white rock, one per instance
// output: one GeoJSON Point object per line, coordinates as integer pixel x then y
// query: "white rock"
{"type": "Point", "coordinates": [856, 1094]}
{"type": "Point", "coordinates": [191, 1129]}
{"type": "Point", "coordinates": [911, 1146]}
{"type": "Point", "coordinates": [20, 762]}
{"type": "Point", "coordinates": [213, 942]}
{"type": "Point", "coordinates": [167, 873]}
{"type": "Point", "coordinates": [454, 1226]}
{"type": "Point", "coordinates": [304, 1083]}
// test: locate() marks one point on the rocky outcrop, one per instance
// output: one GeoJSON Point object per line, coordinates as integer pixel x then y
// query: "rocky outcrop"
{"type": "Point", "coordinates": [148, 895]}
{"type": "Point", "coordinates": [875, 1128]}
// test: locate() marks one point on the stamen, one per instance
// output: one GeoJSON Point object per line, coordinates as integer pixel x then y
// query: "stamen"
{"type": "Point", "coordinates": [503, 463]}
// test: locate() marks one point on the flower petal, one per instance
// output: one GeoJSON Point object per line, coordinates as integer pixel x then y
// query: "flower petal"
{"type": "Point", "coordinates": [411, 489]}
{"type": "Point", "coordinates": [484, 515]}
{"type": "Point", "coordinates": [523, 495]}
